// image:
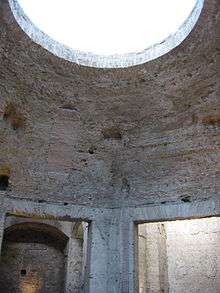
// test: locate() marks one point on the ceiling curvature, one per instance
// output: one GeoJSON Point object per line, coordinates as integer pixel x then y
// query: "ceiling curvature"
{"type": "Point", "coordinates": [146, 134]}
{"type": "Point", "coordinates": [134, 42]}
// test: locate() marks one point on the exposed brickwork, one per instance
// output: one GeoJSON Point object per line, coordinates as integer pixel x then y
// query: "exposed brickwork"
{"type": "Point", "coordinates": [165, 151]}
{"type": "Point", "coordinates": [43, 268]}
{"type": "Point", "coordinates": [38, 256]}
{"type": "Point", "coordinates": [144, 139]}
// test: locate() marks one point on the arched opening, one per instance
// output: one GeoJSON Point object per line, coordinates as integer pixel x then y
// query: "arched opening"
{"type": "Point", "coordinates": [112, 34]}
{"type": "Point", "coordinates": [33, 259]}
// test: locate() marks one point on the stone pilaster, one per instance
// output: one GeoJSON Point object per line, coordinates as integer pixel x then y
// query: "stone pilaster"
{"type": "Point", "coordinates": [129, 253]}
{"type": "Point", "coordinates": [2, 218]}
{"type": "Point", "coordinates": [74, 265]}
{"type": "Point", "coordinates": [97, 258]}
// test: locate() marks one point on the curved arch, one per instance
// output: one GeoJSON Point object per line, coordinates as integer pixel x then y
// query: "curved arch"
{"type": "Point", "coordinates": [103, 61]}
{"type": "Point", "coordinates": [29, 232]}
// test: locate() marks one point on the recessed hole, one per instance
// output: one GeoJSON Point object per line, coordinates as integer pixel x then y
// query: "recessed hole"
{"type": "Point", "coordinates": [23, 273]}
{"type": "Point", "coordinates": [11, 114]}
{"type": "Point", "coordinates": [91, 151]}
{"type": "Point", "coordinates": [41, 201]}
{"type": "Point", "coordinates": [112, 133]}
{"type": "Point", "coordinates": [69, 107]}
{"type": "Point", "coordinates": [10, 111]}
{"type": "Point", "coordinates": [17, 122]}
{"type": "Point", "coordinates": [186, 199]}
{"type": "Point", "coordinates": [4, 182]}
{"type": "Point", "coordinates": [211, 120]}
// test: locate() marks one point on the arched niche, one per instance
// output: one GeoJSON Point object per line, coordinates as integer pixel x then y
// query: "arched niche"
{"type": "Point", "coordinates": [33, 259]}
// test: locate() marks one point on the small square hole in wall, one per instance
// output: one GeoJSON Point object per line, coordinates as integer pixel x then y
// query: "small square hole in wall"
{"type": "Point", "coordinates": [23, 273]}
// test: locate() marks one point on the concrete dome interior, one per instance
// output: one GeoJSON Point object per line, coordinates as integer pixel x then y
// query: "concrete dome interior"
{"type": "Point", "coordinates": [110, 34]}
{"type": "Point", "coordinates": [98, 152]}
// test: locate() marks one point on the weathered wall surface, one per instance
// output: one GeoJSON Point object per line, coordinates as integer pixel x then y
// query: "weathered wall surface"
{"type": "Point", "coordinates": [142, 135]}
{"type": "Point", "coordinates": [52, 265]}
{"type": "Point", "coordinates": [75, 140]}
{"type": "Point", "coordinates": [149, 273]}
{"type": "Point", "coordinates": [193, 249]}
{"type": "Point", "coordinates": [74, 278]}
{"type": "Point", "coordinates": [180, 256]}
{"type": "Point", "coordinates": [44, 267]}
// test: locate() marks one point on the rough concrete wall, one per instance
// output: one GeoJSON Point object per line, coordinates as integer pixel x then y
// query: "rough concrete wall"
{"type": "Point", "coordinates": [74, 266]}
{"type": "Point", "coordinates": [180, 257]}
{"type": "Point", "coordinates": [72, 270]}
{"type": "Point", "coordinates": [144, 135]}
{"type": "Point", "coordinates": [1, 229]}
{"type": "Point", "coordinates": [142, 249]}
{"type": "Point", "coordinates": [2, 220]}
{"type": "Point", "coordinates": [150, 259]}
{"type": "Point", "coordinates": [194, 256]}
{"type": "Point", "coordinates": [44, 267]}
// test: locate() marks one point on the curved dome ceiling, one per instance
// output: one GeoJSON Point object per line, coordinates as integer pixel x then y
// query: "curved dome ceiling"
{"type": "Point", "coordinates": [131, 137]}
{"type": "Point", "coordinates": [107, 33]}
{"type": "Point", "coordinates": [108, 27]}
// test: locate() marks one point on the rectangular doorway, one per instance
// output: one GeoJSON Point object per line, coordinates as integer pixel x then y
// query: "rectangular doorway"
{"type": "Point", "coordinates": [179, 256]}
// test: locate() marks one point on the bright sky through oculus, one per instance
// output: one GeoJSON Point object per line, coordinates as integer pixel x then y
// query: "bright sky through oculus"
{"type": "Point", "coordinates": [107, 27]}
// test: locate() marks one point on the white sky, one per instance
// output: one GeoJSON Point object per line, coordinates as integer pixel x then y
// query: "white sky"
{"type": "Point", "coordinates": [108, 26]}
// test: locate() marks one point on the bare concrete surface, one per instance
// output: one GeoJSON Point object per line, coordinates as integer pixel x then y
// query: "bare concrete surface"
{"type": "Point", "coordinates": [112, 148]}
